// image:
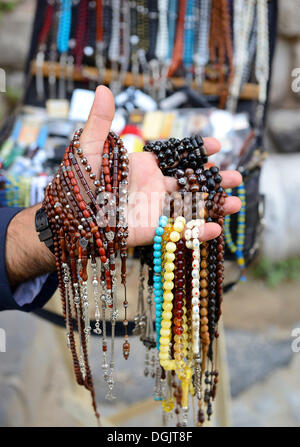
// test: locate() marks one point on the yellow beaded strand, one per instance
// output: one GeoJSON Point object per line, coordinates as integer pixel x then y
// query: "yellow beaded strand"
{"type": "Point", "coordinates": [171, 235]}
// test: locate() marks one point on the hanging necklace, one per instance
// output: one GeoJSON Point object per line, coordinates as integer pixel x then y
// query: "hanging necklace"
{"type": "Point", "coordinates": [173, 5]}
{"type": "Point", "coordinates": [251, 52]}
{"type": "Point", "coordinates": [179, 35]}
{"type": "Point", "coordinates": [89, 49]}
{"type": "Point", "coordinates": [134, 40]}
{"type": "Point", "coordinates": [42, 44]}
{"type": "Point", "coordinates": [114, 47]}
{"type": "Point", "coordinates": [76, 218]}
{"type": "Point", "coordinates": [125, 40]}
{"type": "Point", "coordinates": [53, 54]}
{"type": "Point", "coordinates": [220, 46]}
{"type": "Point", "coordinates": [40, 58]}
{"type": "Point", "coordinates": [63, 36]}
{"type": "Point", "coordinates": [100, 46]}
{"type": "Point", "coordinates": [201, 56]}
{"type": "Point", "coordinates": [189, 40]}
{"type": "Point", "coordinates": [81, 32]}
{"type": "Point", "coordinates": [107, 24]}
{"type": "Point", "coordinates": [238, 247]}
{"type": "Point", "coordinates": [243, 23]}
{"type": "Point", "coordinates": [161, 50]}
{"type": "Point", "coordinates": [71, 46]}
{"type": "Point", "coordinates": [187, 282]}
{"type": "Point", "coordinates": [262, 66]}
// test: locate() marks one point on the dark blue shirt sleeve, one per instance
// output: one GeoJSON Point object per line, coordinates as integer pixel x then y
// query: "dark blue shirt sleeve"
{"type": "Point", "coordinates": [7, 301]}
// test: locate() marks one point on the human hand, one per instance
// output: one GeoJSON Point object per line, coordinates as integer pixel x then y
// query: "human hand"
{"type": "Point", "coordinates": [145, 179]}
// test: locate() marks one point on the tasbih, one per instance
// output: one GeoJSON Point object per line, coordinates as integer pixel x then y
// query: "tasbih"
{"type": "Point", "coordinates": [86, 215]}
{"type": "Point", "coordinates": [185, 278]}
{"type": "Point", "coordinates": [237, 248]}
{"type": "Point", "coordinates": [244, 16]}
{"type": "Point", "coordinates": [220, 46]}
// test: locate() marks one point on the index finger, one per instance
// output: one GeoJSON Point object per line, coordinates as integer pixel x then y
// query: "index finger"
{"type": "Point", "coordinates": [212, 145]}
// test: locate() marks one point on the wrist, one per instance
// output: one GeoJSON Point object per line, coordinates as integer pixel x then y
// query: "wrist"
{"type": "Point", "coordinates": [43, 229]}
{"type": "Point", "coordinates": [26, 257]}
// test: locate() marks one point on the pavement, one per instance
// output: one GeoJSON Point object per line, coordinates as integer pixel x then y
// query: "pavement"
{"type": "Point", "coordinates": [36, 387]}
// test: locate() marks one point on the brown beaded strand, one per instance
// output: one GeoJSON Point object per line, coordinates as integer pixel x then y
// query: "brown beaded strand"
{"type": "Point", "coordinates": [73, 212]}
{"type": "Point", "coordinates": [59, 248]}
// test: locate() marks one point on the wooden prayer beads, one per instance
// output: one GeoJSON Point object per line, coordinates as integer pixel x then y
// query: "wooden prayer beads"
{"type": "Point", "coordinates": [87, 221]}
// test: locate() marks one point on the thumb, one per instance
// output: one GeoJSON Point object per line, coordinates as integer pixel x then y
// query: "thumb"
{"type": "Point", "coordinates": [99, 122]}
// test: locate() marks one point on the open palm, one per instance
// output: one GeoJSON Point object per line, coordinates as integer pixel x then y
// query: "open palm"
{"type": "Point", "coordinates": [146, 182]}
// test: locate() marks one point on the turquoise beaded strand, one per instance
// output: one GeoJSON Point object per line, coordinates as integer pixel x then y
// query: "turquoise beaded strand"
{"type": "Point", "coordinates": [64, 26]}
{"type": "Point", "coordinates": [157, 276]}
{"type": "Point", "coordinates": [238, 247]}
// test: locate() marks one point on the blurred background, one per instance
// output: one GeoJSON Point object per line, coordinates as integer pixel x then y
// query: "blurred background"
{"type": "Point", "coordinates": [261, 385]}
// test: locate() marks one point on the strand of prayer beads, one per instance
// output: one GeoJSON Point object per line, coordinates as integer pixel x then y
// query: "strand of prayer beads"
{"type": "Point", "coordinates": [188, 281]}
{"type": "Point", "coordinates": [86, 216]}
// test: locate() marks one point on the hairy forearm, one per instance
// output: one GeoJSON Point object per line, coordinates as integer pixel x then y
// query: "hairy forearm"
{"type": "Point", "coordinates": [25, 255]}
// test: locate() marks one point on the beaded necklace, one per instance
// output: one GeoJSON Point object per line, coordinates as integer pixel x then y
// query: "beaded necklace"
{"type": "Point", "coordinates": [153, 28]}
{"type": "Point", "coordinates": [83, 227]}
{"type": "Point", "coordinates": [114, 47]}
{"type": "Point", "coordinates": [161, 50]}
{"type": "Point", "coordinates": [62, 42]}
{"type": "Point", "coordinates": [238, 247]}
{"type": "Point", "coordinates": [172, 26]}
{"type": "Point", "coordinates": [72, 46]}
{"type": "Point", "coordinates": [178, 44]}
{"type": "Point", "coordinates": [125, 39]}
{"type": "Point", "coordinates": [187, 281]}
{"type": "Point", "coordinates": [201, 56]}
{"type": "Point", "coordinates": [134, 40]}
{"type": "Point", "coordinates": [262, 65]}
{"type": "Point", "coordinates": [251, 52]}
{"type": "Point", "coordinates": [107, 20]}
{"type": "Point", "coordinates": [53, 52]}
{"type": "Point", "coordinates": [42, 44]}
{"type": "Point", "coordinates": [81, 32]}
{"type": "Point", "coordinates": [243, 23]}
{"type": "Point", "coordinates": [189, 38]}
{"type": "Point", "coordinates": [99, 58]}
{"type": "Point", "coordinates": [220, 46]}
{"type": "Point", "coordinates": [89, 49]}
{"type": "Point", "coordinates": [64, 26]}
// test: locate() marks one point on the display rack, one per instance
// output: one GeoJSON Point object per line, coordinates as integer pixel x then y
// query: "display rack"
{"type": "Point", "coordinates": [210, 88]}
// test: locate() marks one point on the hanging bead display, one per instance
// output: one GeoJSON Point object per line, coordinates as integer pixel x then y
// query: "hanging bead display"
{"type": "Point", "coordinates": [157, 39]}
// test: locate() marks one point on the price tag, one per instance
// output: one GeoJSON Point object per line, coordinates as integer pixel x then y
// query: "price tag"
{"type": "Point", "coordinates": [81, 104]}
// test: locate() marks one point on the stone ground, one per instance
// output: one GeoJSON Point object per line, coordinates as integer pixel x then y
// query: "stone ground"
{"type": "Point", "coordinates": [36, 388]}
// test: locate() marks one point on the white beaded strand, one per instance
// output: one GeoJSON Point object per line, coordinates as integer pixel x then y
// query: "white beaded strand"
{"type": "Point", "coordinates": [243, 22]}
{"type": "Point", "coordinates": [192, 241]}
{"type": "Point", "coordinates": [262, 66]}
